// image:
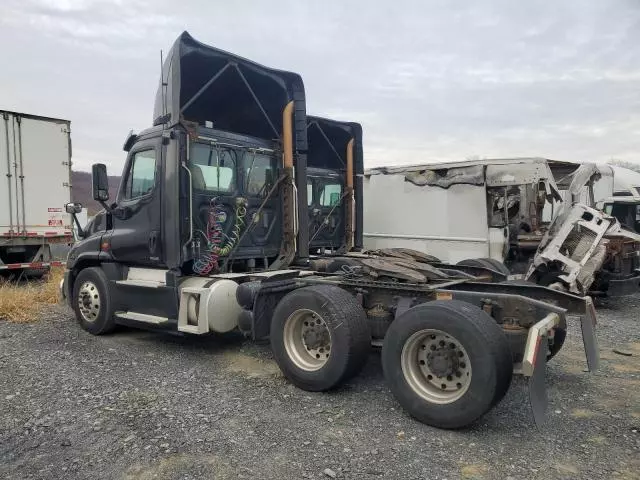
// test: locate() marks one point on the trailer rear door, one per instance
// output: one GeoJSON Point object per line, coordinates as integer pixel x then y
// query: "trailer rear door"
{"type": "Point", "coordinates": [35, 166]}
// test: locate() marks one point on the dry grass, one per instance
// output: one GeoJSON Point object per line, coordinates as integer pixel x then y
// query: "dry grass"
{"type": "Point", "coordinates": [21, 302]}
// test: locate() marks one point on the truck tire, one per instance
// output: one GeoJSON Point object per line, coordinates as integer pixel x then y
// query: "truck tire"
{"type": "Point", "coordinates": [36, 273]}
{"type": "Point", "coordinates": [447, 362]}
{"type": "Point", "coordinates": [486, 263]}
{"type": "Point", "coordinates": [91, 301]}
{"type": "Point", "coordinates": [320, 337]}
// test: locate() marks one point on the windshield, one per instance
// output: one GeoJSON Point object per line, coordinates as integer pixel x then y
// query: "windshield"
{"type": "Point", "coordinates": [213, 168]}
{"type": "Point", "coordinates": [216, 169]}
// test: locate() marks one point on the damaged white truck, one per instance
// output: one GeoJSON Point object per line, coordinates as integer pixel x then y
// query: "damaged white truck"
{"type": "Point", "coordinates": [586, 233]}
{"type": "Point", "coordinates": [501, 213]}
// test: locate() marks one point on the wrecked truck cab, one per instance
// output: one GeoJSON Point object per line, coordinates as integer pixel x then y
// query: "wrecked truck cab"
{"type": "Point", "coordinates": [581, 252]}
{"type": "Point", "coordinates": [593, 186]}
{"type": "Point", "coordinates": [572, 251]}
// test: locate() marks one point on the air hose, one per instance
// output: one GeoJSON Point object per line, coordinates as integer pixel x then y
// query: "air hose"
{"type": "Point", "coordinates": [208, 260]}
{"type": "Point", "coordinates": [241, 212]}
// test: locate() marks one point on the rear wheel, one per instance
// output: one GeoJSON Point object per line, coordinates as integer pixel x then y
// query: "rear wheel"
{"type": "Point", "coordinates": [486, 263]}
{"type": "Point", "coordinates": [320, 337]}
{"type": "Point", "coordinates": [447, 362]}
{"type": "Point", "coordinates": [91, 301]}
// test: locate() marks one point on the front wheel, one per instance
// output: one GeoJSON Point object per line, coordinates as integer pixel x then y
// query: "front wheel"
{"type": "Point", "coordinates": [91, 301]}
{"type": "Point", "coordinates": [320, 337]}
{"type": "Point", "coordinates": [447, 363]}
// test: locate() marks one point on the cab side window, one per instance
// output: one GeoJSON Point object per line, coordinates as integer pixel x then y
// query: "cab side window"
{"type": "Point", "coordinates": [330, 195]}
{"type": "Point", "coordinates": [141, 176]}
{"type": "Point", "coordinates": [259, 171]}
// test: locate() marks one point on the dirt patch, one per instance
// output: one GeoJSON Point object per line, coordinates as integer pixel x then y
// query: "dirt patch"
{"type": "Point", "coordinates": [597, 439]}
{"type": "Point", "coordinates": [566, 470]}
{"type": "Point", "coordinates": [474, 471]}
{"type": "Point", "coordinates": [582, 413]}
{"type": "Point", "coordinates": [251, 367]}
{"type": "Point", "coordinates": [178, 466]}
{"type": "Point", "coordinates": [625, 368]}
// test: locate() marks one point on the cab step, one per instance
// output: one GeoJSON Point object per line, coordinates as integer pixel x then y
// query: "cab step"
{"type": "Point", "coordinates": [141, 283]}
{"type": "Point", "coordinates": [142, 317]}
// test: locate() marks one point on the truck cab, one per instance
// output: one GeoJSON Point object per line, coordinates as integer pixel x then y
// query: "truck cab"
{"type": "Point", "coordinates": [209, 188]}
{"type": "Point", "coordinates": [607, 193]}
{"type": "Point", "coordinates": [334, 183]}
{"type": "Point", "coordinates": [625, 209]}
{"type": "Point", "coordinates": [624, 203]}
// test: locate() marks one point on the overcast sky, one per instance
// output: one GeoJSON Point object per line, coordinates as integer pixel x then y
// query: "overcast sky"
{"type": "Point", "coordinates": [429, 80]}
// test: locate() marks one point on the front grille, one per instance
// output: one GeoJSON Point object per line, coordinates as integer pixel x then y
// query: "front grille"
{"type": "Point", "coordinates": [578, 243]}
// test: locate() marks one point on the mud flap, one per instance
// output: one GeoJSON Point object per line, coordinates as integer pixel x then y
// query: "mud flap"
{"type": "Point", "coordinates": [534, 365]}
{"type": "Point", "coordinates": [588, 326]}
{"type": "Point", "coordinates": [537, 382]}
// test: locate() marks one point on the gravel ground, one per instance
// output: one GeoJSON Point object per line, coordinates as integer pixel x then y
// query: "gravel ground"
{"type": "Point", "coordinates": [147, 405]}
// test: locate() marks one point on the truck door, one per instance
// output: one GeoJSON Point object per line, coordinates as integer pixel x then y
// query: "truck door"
{"type": "Point", "coordinates": [137, 220]}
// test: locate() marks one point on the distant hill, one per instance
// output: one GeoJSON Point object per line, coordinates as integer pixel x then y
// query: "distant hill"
{"type": "Point", "coordinates": [81, 191]}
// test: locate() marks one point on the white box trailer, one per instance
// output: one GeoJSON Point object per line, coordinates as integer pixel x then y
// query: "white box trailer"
{"type": "Point", "coordinates": [35, 184]}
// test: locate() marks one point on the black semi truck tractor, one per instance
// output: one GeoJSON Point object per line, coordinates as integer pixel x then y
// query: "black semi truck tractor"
{"type": "Point", "coordinates": [211, 232]}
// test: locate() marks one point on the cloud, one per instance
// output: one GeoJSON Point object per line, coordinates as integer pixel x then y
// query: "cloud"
{"type": "Point", "coordinates": [429, 80]}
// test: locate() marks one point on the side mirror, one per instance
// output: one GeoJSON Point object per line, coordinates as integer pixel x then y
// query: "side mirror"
{"type": "Point", "coordinates": [73, 208]}
{"type": "Point", "coordinates": [100, 182]}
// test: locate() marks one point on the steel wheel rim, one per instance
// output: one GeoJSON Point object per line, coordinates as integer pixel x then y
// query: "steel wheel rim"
{"type": "Point", "coordinates": [307, 340]}
{"type": "Point", "coordinates": [89, 302]}
{"type": "Point", "coordinates": [436, 366]}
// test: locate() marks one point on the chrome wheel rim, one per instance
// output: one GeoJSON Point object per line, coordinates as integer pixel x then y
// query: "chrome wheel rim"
{"type": "Point", "coordinates": [89, 301]}
{"type": "Point", "coordinates": [307, 340]}
{"type": "Point", "coordinates": [436, 366]}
